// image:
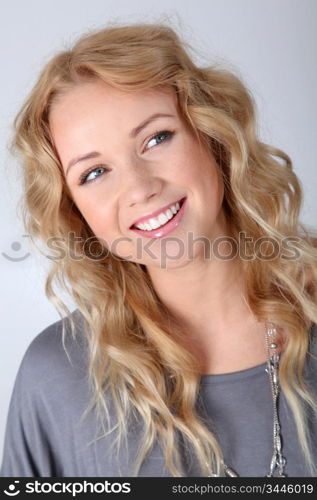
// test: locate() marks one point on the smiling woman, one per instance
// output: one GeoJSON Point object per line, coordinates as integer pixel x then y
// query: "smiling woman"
{"type": "Point", "coordinates": [195, 337]}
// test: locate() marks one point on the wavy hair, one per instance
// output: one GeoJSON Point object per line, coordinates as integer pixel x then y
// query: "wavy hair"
{"type": "Point", "coordinates": [134, 357]}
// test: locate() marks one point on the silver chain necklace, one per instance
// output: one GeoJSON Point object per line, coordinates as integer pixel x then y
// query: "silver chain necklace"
{"type": "Point", "coordinates": [278, 461]}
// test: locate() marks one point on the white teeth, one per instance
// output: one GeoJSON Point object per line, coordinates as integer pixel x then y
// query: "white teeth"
{"type": "Point", "coordinates": [163, 218]}
{"type": "Point", "coordinates": [154, 223]}
{"type": "Point", "coordinates": [159, 221]}
{"type": "Point", "coordinates": [169, 214]}
{"type": "Point", "coordinates": [173, 208]}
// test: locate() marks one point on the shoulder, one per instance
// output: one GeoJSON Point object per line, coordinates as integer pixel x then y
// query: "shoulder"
{"type": "Point", "coordinates": [50, 355]}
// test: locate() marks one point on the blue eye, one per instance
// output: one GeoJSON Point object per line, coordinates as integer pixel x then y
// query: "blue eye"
{"type": "Point", "coordinates": [158, 138]}
{"type": "Point", "coordinates": [85, 176]}
{"type": "Point", "coordinates": [162, 136]}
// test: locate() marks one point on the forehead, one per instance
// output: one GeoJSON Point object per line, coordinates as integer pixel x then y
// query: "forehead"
{"type": "Point", "coordinates": [98, 99]}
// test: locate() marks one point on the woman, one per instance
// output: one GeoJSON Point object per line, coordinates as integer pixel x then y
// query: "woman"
{"type": "Point", "coordinates": [176, 232]}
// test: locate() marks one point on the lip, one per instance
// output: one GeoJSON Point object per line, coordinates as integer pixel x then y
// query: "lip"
{"type": "Point", "coordinates": [145, 218]}
{"type": "Point", "coordinates": [168, 227]}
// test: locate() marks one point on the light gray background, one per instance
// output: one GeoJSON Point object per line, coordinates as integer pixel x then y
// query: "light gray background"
{"type": "Point", "coordinates": [271, 43]}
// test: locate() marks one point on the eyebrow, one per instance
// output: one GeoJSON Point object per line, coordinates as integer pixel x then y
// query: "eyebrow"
{"type": "Point", "coordinates": [134, 132]}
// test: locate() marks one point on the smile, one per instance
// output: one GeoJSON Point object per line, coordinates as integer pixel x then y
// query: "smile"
{"type": "Point", "coordinates": [155, 222]}
{"type": "Point", "coordinates": [163, 223]}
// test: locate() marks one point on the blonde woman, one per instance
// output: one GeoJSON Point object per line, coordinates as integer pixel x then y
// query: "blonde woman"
{"type": "Point", "coordinates": [176, 231]}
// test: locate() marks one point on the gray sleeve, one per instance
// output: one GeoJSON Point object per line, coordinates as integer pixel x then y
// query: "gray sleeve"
{"type": "Point", "coordinates": [26, 448]}
{"type": "Point", "coordinates": [47, 399]}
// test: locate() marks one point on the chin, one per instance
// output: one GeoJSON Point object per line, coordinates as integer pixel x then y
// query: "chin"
{"type": "Point", "coordinates": [169, 264]}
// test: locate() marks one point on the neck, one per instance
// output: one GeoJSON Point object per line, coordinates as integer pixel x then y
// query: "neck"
{"type": "Point", "coordinates": [206, 300]}
{"type": "Point", "coordinates": [203, 290]}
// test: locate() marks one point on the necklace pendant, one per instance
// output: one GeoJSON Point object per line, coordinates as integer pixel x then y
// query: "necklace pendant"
{"type": "Point", "coordinates": [229, 472]}
{"type": "Point", "coordinates": [281, 464]}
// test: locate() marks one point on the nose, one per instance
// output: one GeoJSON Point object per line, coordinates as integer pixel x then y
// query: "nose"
{"type": "Point", "coordinates": [139, 183]}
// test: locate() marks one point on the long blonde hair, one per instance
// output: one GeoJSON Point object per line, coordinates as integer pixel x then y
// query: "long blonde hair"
{"type": "Point", "coordinates": [133, 356]}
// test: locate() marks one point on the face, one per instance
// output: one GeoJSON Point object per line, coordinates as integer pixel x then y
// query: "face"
{"type": "Point", "coordinates": [136, 172]}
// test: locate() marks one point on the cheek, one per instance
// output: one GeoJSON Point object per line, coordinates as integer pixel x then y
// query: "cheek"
{"type": "Point", "coordinates": [100, 217]}
{"type": "Point", "coordinates": [199, 167]}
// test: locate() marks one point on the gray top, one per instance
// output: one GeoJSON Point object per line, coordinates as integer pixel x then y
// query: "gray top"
{"type": "Point", "coordinates": [45, 437]}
